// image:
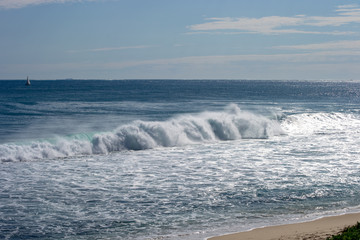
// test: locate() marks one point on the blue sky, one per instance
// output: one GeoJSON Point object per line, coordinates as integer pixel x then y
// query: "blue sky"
{"type": "Point", "coordinates": [180, 39]}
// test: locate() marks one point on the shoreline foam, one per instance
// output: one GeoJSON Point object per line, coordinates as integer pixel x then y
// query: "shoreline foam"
{"type": "Point", "coordinates": [315, 230]}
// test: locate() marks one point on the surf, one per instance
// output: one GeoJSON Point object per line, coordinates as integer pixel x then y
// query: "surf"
{"type": "Point", "coordinates": [232, 123]}
{"type": "Point", "coordinates": [321, 123]}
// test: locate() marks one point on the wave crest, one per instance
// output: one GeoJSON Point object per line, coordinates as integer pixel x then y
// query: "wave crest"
{"type": "Point", "coordinates": [320, 123]}
{"type": "Point", "coordinates": [230, 124]}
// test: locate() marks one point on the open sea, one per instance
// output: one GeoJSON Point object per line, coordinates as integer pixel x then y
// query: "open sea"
{"type": "Point", "coordinates": [174, 159]}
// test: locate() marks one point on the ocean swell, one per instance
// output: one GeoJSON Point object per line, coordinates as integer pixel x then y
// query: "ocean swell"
{"type": "Point", "coordinates": [229, 124]}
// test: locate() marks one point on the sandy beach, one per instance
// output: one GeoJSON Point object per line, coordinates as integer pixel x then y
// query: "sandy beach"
{"type": "Point", "coordinates": [318, 229]}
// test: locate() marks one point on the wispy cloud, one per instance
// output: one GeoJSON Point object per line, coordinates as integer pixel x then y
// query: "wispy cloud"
{"type": "Point", "coordinates": [333, 45]}
{"type": "Point", "coordinates": [308, 58]}
{"type": "Point", "coordinates": [8, 4]}
{"type": "Point", "coordinates": [333, 64]}
{"type": "Point", "coordinates": [110, 49]}
{"type": "Point", "coordinates": [346, 14]}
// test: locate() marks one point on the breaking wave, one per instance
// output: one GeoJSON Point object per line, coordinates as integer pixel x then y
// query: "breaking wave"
{"type": "Point", "coordinates": [321, 123]}
{"type": "Point", "coordinates": [229, 124]}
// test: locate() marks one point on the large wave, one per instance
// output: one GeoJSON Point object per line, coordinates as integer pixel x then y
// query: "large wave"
{"type": "Point", "coordinates": [229, 124]}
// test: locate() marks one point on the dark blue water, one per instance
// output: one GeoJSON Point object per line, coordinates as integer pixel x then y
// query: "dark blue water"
{"type": "Point", "coordinates": [173, 90]}
{"type": "Point", "coordinates": [84, 102]}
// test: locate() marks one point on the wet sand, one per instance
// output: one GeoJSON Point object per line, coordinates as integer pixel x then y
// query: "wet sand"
{"type": "Point", "coordinates": [314, 230]}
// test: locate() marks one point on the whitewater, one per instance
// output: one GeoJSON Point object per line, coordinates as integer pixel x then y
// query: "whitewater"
{"type": "Point", "coordinates": [174, 159]}
{"type": "Point", "coordinates": [231, 124]}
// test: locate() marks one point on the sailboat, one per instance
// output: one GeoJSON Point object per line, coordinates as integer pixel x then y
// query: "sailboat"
{"type": "Point", "coordinates": [27, 82]}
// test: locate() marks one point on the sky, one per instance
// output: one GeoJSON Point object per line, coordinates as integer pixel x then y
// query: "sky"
{"type": "Point", "coordinates": [180, 39]}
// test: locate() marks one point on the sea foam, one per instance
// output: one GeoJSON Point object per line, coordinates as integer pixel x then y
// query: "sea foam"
{"type": "Point", "coordinates": [320, 123]}
{"type": "Point", "coordinates": [230, 124]}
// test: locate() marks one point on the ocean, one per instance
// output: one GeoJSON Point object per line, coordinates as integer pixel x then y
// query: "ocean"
{"type": "Point", "coordinates": [174, 159]}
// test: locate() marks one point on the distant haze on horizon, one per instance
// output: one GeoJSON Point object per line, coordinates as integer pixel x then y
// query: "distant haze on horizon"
{"type": "Point", "coordinates": [167, 39]}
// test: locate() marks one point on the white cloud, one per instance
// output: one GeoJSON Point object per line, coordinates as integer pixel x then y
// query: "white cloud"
{"type": "Point", "coordinates": [255, 25]}
{"type": "Point", "coordinates": [346, 14]}
{"type": "Point", "coordinates": [347, 10]}
{"type": "Point", "coordinates": [334, 45]}
{"type": "Point", "coordinates": [8, 4]}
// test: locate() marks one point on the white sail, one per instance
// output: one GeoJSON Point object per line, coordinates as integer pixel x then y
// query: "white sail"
{"type": "Point", "coordinates": [27, 81]}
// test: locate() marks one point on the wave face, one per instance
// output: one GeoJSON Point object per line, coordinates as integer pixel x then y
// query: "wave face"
{"type": "Point", "coordinates": [230, 124]}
